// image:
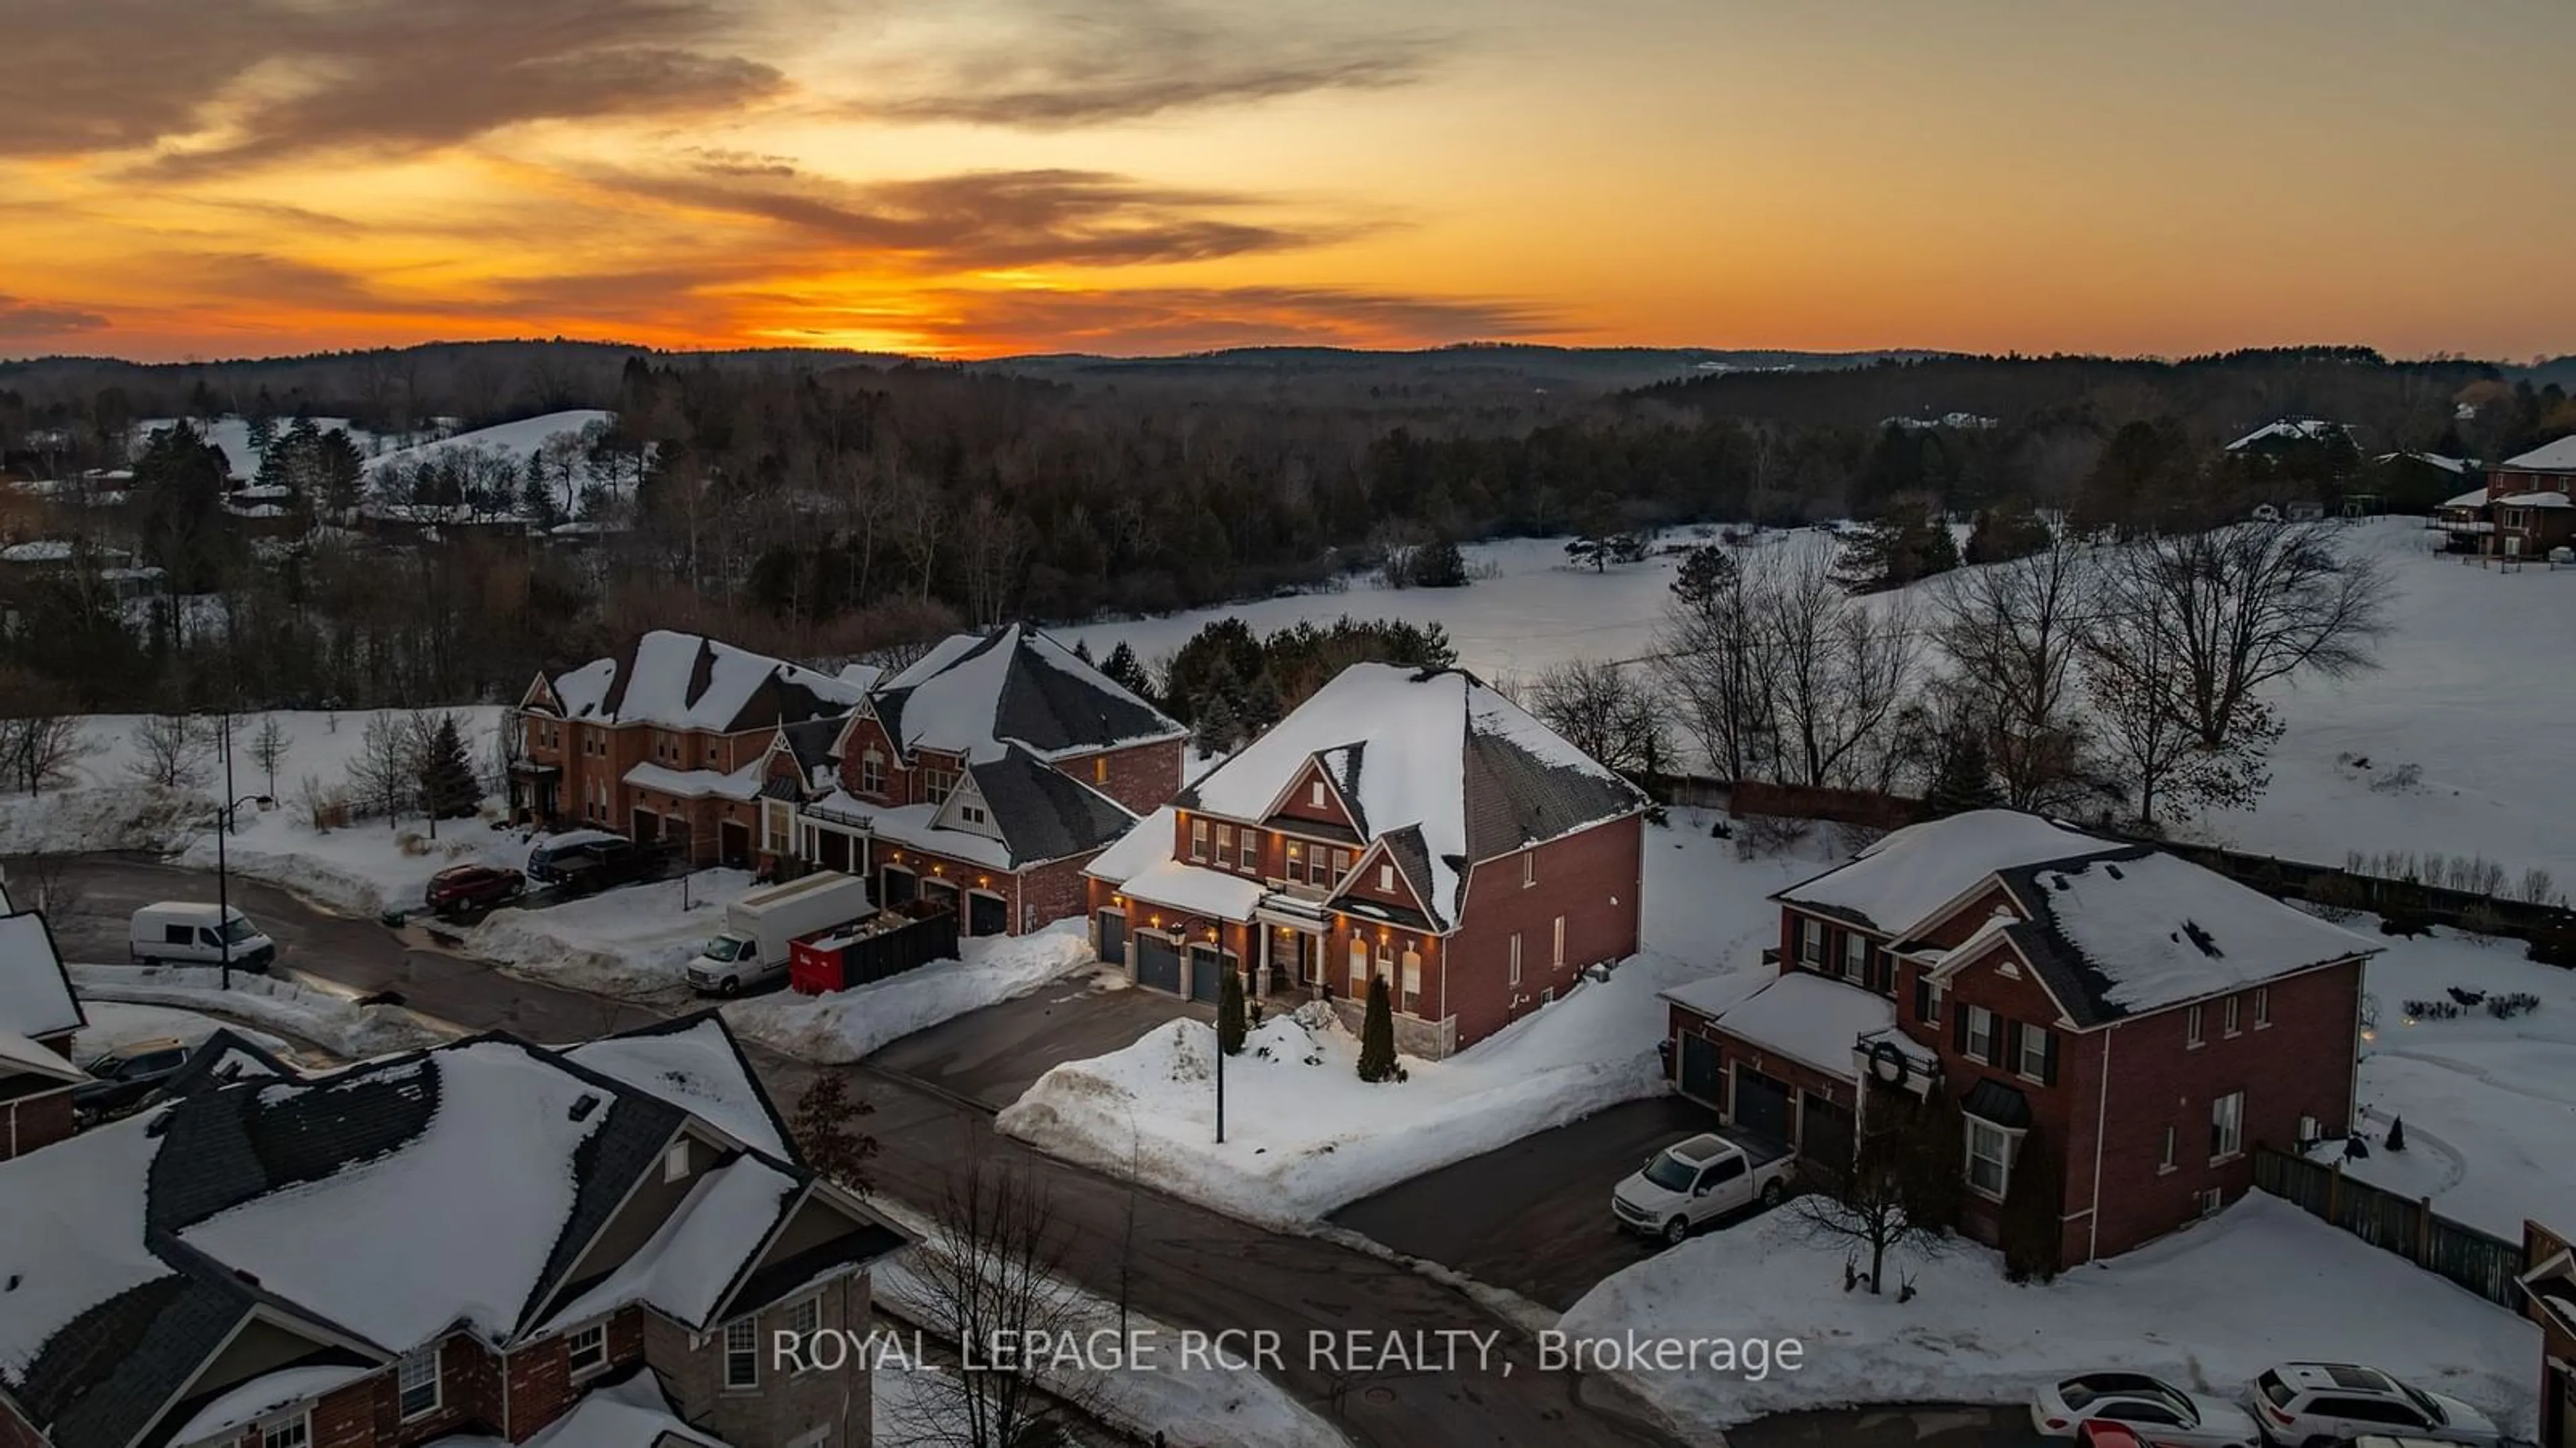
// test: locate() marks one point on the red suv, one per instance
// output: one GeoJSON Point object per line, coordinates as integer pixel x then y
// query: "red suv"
{"type": "Point", "coordinates": [463, 889]}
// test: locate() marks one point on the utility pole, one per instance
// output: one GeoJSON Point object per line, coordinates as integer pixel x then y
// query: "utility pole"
{"type": "Point", "coordinates": [1220, 1083]}
{"type": "Point", "coordinates": [223, 875]}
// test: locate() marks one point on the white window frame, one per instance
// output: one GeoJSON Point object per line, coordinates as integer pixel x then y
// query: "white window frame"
{"type": "Point", "coordinates": [1315, 794]}
{"type": "Point", "coordinates": [1993, 1024]}
{"type": "Point", "coordinates": [675, 1161]}
{"type": "Point", "coordinates": [2262, 1007]}
{"type": "Point", "coordinates": [1855, 963]}
{"type": "Point", "coordinates": [1529, 868]}
{"type": "Point", "coordinates": [2192, 1037]}
{"type": "Point", "coordinates": [2227, 1127]}
{"type": "Point", "coordinates": [407, 1380]}
{"type": "Point", "coordinates": [1199, 839]}
{"type": "Point", "coordinates": [974, 814]}
{"type": "Point", "coordinates": [587, 1342]}
{"type": "Point", "coordinates": [1557, 950]}
{"type": "Point", "coordinates": [748, 1354]}
{"type": "Point", "coordinates": [805, 1319]}
{"type": "Point", "coordinates": [1358, 955]}
{"type": "Point", "coordinates": [2230, 1017]}
{"type": "Point", "coordinates": [1516, 958]}
{"type": "Point", "coordinates": [1410, 981]}
{"type": "Point", "coordinates": [1811, 941]}
{"type": "Point", "coordinates": [872, 773]}
{"type": "Point", "coordinates": [2212, 1201]}
{"type": "Point", "coordinates": [2004, 1141]}
{"type": "Point", "coordinates": [1935, 1003]}
{"type": "Point", "coordinates": [286, 1430]}
{"type": "Point", "coordinates": [777, 826]}
{"type": "Point", "coordinates": [1224, 846]}
{"type": "Point", "coordinates": [2165, 1156]}
{"type": "Point", "coordinates": [2028, 1068]}
{"type": "Point", "coordinates": [1386, 877]}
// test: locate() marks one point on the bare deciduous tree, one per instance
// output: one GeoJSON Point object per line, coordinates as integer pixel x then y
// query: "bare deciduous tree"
{"type": "Point", "coordinates": [1603, 709]}
{"type": "Point", "coordinates": [170, 750]}
{"type": "Point", "coordinates": [991, 1275]}
{"type": "Point", "coordinates": [2012, 633]}
{"type": "Point", "coordinates": [381, 774]}
{"type": "Point", "coordinates": [2150, 753]}
{"type": "Point", "coordinates": [40, 737]}
{"type": "Point", "coordinates": [1717, 666]}
{"type": "Point", "coordinates": [268, 746]}
{"type": "Point", "coordinates": [1892, 1195]}
{"type": "Point", "coordinates": [1843, 670]}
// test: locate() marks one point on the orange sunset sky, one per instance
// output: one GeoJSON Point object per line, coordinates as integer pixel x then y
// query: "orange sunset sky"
{"type": "Point", "coordinates": [973, 177]}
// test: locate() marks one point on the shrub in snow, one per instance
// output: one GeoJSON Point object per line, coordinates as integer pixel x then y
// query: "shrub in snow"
{"type": "Point", "coordinates": [2029, 1223]}
{"type": "Point", "coordinates": [1229, 1014]}
{"type": "Point", "coordinates": [2554, 945]}
{"type": "Point", "coordinates": [2336, 896]}
{"type": "Point", "coordinates": [2506, 1007]}
{"type": "Point", "coordinates": [1377, 1035]}
{"type": "Point", "coordinates": [2404, 920]}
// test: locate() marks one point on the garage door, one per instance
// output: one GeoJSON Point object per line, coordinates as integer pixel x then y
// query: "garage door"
{"type": "Point", "coordinates": [1824, 1131]}
{"type": "Point", "coordinates": [1207, 973]}
{"type": "Point", "coordinates": [898, 886]}
{"type": "Point", "coordinates": [1112, 934]}
{"type": "Point", "coordinates": [987, 915]}
{"type": "Point", "coordinates": [1761, 1103]}
{"type": "Point", "coordinates": [648, 827]}
{"type": "Point", "coordinates": [939, 892]}
{"type": "Point", "coordinates": [733, 843]}
{"type": "Point", "coordinates": [1158, 963]}
{"type": "Point", "coordinates": [1703, 1073]}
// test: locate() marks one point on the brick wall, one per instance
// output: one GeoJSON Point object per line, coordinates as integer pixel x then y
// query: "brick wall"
{"type": "Point", "coordinates": [1050, 892]}
{"type": "Point", "coordinates": [2300, 1065]}
{"type": "Point", "coordinates": [783, 1406]}
{"type": "Point", "coordinates": [17, 1432]}
{"type": "Point", "coordinates": [1592, 878]}
{"type": "Point", "coordinates": [1143, 778]}
{"type": "Point", "coordinates": [349, 1418]}
{"type": "Point", "coordinates": [35, 1121]}
{"type": "Point", "coordinates": [541, 1385]}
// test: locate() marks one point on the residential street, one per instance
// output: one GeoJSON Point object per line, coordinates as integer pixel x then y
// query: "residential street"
{"type": "Point", "coordinates": [994, 1054]}
{"type": "Point", "coordinates": [1190, 1267]}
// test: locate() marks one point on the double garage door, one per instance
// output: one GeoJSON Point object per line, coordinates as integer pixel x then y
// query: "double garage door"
{"type": "Point", "coordinates": [1196, 971]}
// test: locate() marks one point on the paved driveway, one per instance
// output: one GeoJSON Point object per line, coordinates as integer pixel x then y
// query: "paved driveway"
{"type": "Point", "coordinates": [992, 1055]}
{"type": "Point", "coordinates": [1533, 1216]}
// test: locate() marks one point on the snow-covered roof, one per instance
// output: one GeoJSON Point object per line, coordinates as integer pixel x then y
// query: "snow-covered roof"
{"type": "Point", "coordinates": [2446, 464]}
{"type": "Point", "coordinates": [2538, 500]}
{"type": "Point", "coordinates": [2473, 498]}
{"type": "Point", "coordinates": [2139, 930]}
{"type": "Point", "coordinates": [2549, 457]}
{"type": "Point", "coordinates": [742, 784]}
{"type": "Point", "coordinates": [35, 993]}
{"type": "Point", "coordinates": [913, 826]}
{"type": "Point", "coordinates": [693, 1064]}
{"type": "Point", "coordinates": [42, 550]}
{"type": "Point", "coordinates": [1908, 874]}
{"type": "Point", "coordinates": [685, 1267]}
{"type": "Point", "coordinates": [72, 1235]}
{"type": "Point", "coordinates": [1148, 841]}
{"type": "Point", "coordinates": [1196, 890]}
{"type": "Point", "coordinates": [1714, 994]}
{"type": "Point", "coordinates": [972, 694]}
{"type": "Point", "coordinates": [1434, 750]}
{"type": "Point", "coordinates": [683, 681]}
{"type": "Point", "coordinates": [2290, 429]}
{"type": "Point", "coordinates": [243, 1405]}
{"type": "Point", "coordinates": [1810, 1019]}
{"type": "Point", "coordinates": [22, 1055]}
{"type": "Point", "coordinates": [629, 1414]}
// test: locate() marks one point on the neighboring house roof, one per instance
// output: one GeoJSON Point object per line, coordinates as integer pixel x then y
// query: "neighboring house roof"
{"type": "Point", "coordinates": [2549, 457]}
{"type": "Point", "coordinates": [2137, 930]}
{"type": "Point", "coordinates": [378, 1207]}
{"type": "Point", "coordinates": [632, 1413]}
{"type": "Point", "coordinates": [2446, 464]}
{"type": "Point", "coordinates": [1434, 751]}
{"type": "Point", "coordinates": [2473, 498]}
{"type": "Point", "coordinates": [971, 695]}
{"type": "Point", "coordinates": [683, 681]}
{"type": "Point", "coordinates": [1044, 813]}
{"type": "Point", "coordinates": [2290, 429]}
{"type": "Point", "coordinates": [2538, 500]}
{"type": "Point", "coordinates": [35, 993]}
{"type": "Point", "coordinates": [1809, 1019]}
{"type": "Point", "coordinates": [741, 784]}
{"type": "Point", "coordinates": [1146, 843]}
{"type": "Point", "coordinates": [1908, 874]}
{"type": "Point", "coordinates": [22, 1055]}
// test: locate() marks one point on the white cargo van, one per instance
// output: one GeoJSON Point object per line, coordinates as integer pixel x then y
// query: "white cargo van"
{"type": "Point", "coordinates": [184, 932]}
{"type": "Point", "coordinates": [752, 947]}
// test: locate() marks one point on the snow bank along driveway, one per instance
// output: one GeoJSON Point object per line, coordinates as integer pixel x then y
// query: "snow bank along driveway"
{"type": "Point", "coordinates": [842, 1026]}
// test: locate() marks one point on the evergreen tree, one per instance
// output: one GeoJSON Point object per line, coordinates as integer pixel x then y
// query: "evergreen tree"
{"type": "Point", "coordinates": [1908, 542]}
{"type": "Point", "coordinates": [537, 496]}
{"type": "Point", "coordinates": [339, 471]}
{"type": "Point", "coordinates": [448, 788]}
{"type": "Point", "coordinates": [1377, 1034]}
{"type": "Point", "coordinates": [1122, 669]}
{"type": "Point", "coordinates": [1082, 650]}
{"type": "Point", "coordinates": [1216, 730]}
{"type": "Point", "coordinates": [2005, 531]}
{"type": "Point", "coordinates": [262, 430]}
{"type": "Point", "coordinates": [1229, 1014]}
{"type": "Point", "coordinates": [1964, 779]}
{"type": "Point", "coordinates": [1439, 564]}
{"type": "Point", "coordinates": [1708, 572]}
{"type": "Point", "coordinates": [1939, 1141]}
{"type": "Point", "coordinates": [2397, 1134]}
{"type": "Point", "coordinates": [2029, 1221]}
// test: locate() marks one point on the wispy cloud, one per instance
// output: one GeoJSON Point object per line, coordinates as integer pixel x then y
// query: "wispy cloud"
{"type": "Point", "coordinates": [1087, 62]}
{"type": "Point", "coordinates": [22, 320]}
{"type": "Point", "coordinates": [1160, 319]}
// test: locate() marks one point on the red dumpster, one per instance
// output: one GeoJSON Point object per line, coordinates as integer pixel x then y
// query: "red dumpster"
{"type": "Point", "coordinates": [815, 966]}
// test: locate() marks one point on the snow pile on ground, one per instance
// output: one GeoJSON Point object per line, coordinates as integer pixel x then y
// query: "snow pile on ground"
{"type": "Point", "coordinates": [363, 869]}
{"type": "Point", "coordinates": [1175, 1401]}
{"type": "Point", "coordinates": [335, 1022]}
{"type": "Point", "coordinates": [116, 1024]}
{"type": "Point", "coordinates": [2488, 1102]}
{"type": "Point", "coordinates": [1305, 1135]}
{"type": "Point", "coordinates": [2207, 1308]}
{"type": "Point", "coordinates": [637, 938]}
{"type": "Point", "coordinates": [845, 1026]}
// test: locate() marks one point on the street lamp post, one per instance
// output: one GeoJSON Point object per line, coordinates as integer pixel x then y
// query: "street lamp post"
{"type": "Point", "coordinates": [223, 872]}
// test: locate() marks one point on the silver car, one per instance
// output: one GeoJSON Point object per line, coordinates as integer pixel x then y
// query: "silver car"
{"type": "Point", "coordinates": [2156, 1411]}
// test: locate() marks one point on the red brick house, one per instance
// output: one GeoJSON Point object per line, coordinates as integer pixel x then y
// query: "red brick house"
{"type": "Point", "coordinates": [2549, 1299]}
{"type": "Point", "coordinates": [38, 1017]}
{"type": "Point", "coordinates": [1409, 824]}
{"type": "Point", "coordinates": [486, 1241]}
{"type": "Point", "coordinates": [2154, 1020]}
{"type": "Point", "coordinates": [665, 741]}
{"type": "Point", "coordinates": [985, 776]}
{"type": "Point", "coordinates": [2527, 507]}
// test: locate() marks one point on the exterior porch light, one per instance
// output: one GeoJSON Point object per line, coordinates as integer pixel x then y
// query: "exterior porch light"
{"type": "Point", "coordinates": [1117, 899]}
{"type": "Point", "coordinates": [1154, 920]}
{"type": "Point", "coordinates": [984, 880]}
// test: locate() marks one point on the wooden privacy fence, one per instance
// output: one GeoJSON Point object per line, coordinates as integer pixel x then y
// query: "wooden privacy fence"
{"type": "Point", "coordinates": [2479, 1261]}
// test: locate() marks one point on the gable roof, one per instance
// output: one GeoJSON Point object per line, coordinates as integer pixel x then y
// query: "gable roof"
{"type": "Point", "coordinates": [970, 695]}
{"type": "Point", "coordinates": [2549, 457]}
{"type": "Point", "coordinates": [35, 992]}
{"type": "Point", "coordinates": [1432, 750]}
{"type": "Point", "coordinates": [1905, 876]}
{"type": "Point", "coordinates": [2138, 930]}
{"type": "Point", "coordinates": [694, 1063]}
{"type": "Point", "coordinates": [1044, 813]}
{"type": "Point", "coordinates": [678, 680]}
{"type": "Point", "coordinates": [378, 1207]}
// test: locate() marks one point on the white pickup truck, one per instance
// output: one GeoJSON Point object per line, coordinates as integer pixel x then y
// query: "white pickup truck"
{"type": "Point", "coordinates": [1698, 1179]}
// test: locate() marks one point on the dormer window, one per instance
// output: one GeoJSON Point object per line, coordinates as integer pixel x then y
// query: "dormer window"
{"type": "Point", "coordinates": [974, 814]}
{"type": "Point", "coordinates": [872, 773]}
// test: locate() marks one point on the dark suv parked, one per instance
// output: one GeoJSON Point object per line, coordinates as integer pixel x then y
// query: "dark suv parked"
{"type": "Point", "coordinates": [606, 863]}
{"type": "Point", "coordinates": [123, 1077]}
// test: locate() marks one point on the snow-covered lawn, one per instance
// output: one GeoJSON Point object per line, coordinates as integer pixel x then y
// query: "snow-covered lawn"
{"type": "Point", "coordinates": [2207, 1308]}
{"type": "Point", "coordinates": [2489, 1104]}
{"type": "Point", "coordinates": [846, 1025]}
{"type": "Point", "coordinates": [333, 1021]}
{"type": "Point", "coordinates": [1305, 1135]}
{"type": "Point", "coordinates": [634, 939]}
{"type": "Point", "coordinates": [362, 869]}
{"type": "Point", "coordinates": [113, 1024]}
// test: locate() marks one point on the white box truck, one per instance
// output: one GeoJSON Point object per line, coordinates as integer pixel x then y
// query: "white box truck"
{"type": "Point", "coordinates": [752, 947]}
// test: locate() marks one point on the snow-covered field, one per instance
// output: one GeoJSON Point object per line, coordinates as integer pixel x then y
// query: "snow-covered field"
{"type": "Point", "coordinates": [2207, 1308]}
{"type": "Point", "coordinates": [329, 1019]}
{"type": "Point", "coordinates": [232, 434]}
{"type": "Point", "coordinates": [517, 441]}
{"type": "Point", "coordinates": [1305, 1135]}
{"type": "Point", "coordinates": [2459, 694]}
{"type": "Point", "coordinates": [2489, 1105]}
{"type": "Point", "coordinates": [635, 939]}
{"type": "Point", "coordinates": [847, 1025]}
